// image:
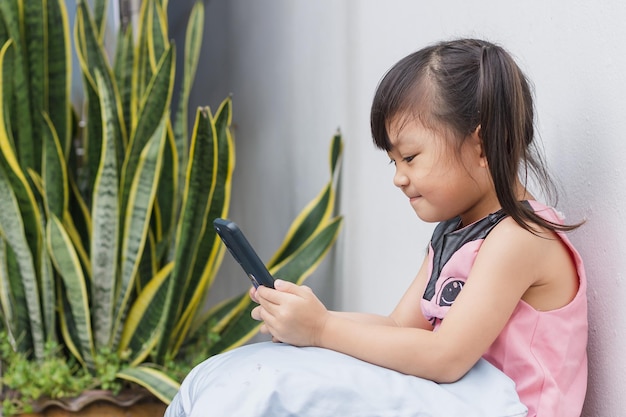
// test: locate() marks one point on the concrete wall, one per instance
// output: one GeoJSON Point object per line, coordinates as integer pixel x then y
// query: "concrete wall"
{"type": "Point", "coordinates": [298, 70]}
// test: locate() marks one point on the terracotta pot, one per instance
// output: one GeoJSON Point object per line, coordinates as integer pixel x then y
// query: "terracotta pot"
{"type": "Point", "coordinates": [106, 409]}
{"type": "Point", "coordinates": [96, 403]}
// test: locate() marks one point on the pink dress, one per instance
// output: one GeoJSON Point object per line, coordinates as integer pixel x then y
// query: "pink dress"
{"type": "Point", "coordinates": [544, 352]}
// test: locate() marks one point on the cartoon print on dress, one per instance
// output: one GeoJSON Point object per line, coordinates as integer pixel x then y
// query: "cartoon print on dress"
{"type": "Point", "coordinates": [449, 291]}
{"type": "Point", "coordinates": [451, 281]}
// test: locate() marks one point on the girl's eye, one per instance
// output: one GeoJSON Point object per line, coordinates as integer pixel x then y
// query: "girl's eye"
{"type": "Point", "coordinates": [406, 159]}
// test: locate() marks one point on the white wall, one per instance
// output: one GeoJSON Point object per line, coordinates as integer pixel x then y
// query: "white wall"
{"type": "Point", "coordinates": [298, 70]}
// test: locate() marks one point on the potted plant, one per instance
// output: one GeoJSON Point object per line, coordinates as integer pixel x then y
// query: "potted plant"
{"type": "Point", "coordinates": [106, 247]}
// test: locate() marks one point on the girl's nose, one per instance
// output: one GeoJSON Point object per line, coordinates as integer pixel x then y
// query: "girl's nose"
{"type": "Point", "coordinates": [400, 179]}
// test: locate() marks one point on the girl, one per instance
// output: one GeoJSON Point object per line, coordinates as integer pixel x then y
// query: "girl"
{"type": "Point", "coordinates": [501, 280]}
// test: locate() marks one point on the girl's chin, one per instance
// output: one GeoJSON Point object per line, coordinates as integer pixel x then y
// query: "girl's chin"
{"type": "Point", "coordinates": [429, 215]}
{"type": "Point", "coordinates": [429, 219]}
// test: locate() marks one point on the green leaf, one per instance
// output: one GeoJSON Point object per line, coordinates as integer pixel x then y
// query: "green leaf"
{"type": "Point", "coordinates": [123, 70]}
{"type": "Point", "coordinates": [100, 16]}
{"type": "Point", "coordinates": [163, 4]}
{"type": "Point", "coordinates": [210, 250]}
{"type": "Point", "coordinates": [142, 70]}
{"type": "Point", "coordinates": [79, 215]}
{"type": "Point", "coordinates": [19, 183]}
{"type": "Point", "coordinates": [48, 295]}
{"type": "Point", "coordinates": [92, 57]}
{"type": "Point", "coordinates": [308, 221]}
{"type": "Point", "coordinates": [152, 110]}
{"type": "Point", "coordinates": [92, 139]}
{"type": "Point", "coordinates": [6, 87]}
{"type": "Point", "coordinates": [143, 324]}
{"type": "Point", "coordinates": [158, 40]}
{"type": "Point", "coordinates": [47, 280]}
{"type": "Point", "coordinates": [12, 228]}
{"type": "Point", "coordinates": [158, 383]}
{"type": "Point", "coordinates": [336, 149]}
{"type": "Point", "coordinates": [4, 33]}
{"type": "Point", "coordinates": [148, 264]}
{"type": "Point", "coordinates": [33, 34]}
{"type": "Point", "coordinates": [193, 42]}
{"type": "Point", "coordinates": [54, 171]}
{"type": "Point", "coordinates": [105, 226]}
{"type": "Point", "coordinates": [21, 115]}
{"type": "Point", "coordinates": [201, 174]}
{"type": "Point", "coordinates": [67, 265]}
{"type": "Point", "coordinates": [58, 79]}
{"type": "Point", "coordinates": [13, 301]}
{"type": "Point", "coordinates": [140, 202]}
{"type": "Point", "coordinates": [67, 325]}
{"type": "Point", "coordinates": [167, 197]}
{"type": "Point", "coordinates": [302, 263]}
{"type": "Point", "coordinates": [315, 214]}
{"type": "Point", "coordinates": [216, 318]}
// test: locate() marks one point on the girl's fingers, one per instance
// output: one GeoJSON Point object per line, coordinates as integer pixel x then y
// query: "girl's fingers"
{"type": "Point", "coordinates": [264, 329]}
{"type": "Point", "coordinates": [286, 286]}
{"type": "Point", "coordinates": [282, 292]}
{"type": "Point", "coordinates": [266, 295]}
{"type": "Point", "coordinates": [252, 294]}
{"type": "Point", "coordinates": [256, 313]}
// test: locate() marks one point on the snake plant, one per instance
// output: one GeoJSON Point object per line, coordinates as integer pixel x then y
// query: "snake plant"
{"type": "Point", "coordinates": [106, 244]}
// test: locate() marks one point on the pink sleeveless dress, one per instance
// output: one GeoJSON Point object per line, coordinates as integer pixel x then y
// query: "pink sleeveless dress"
{"type": "Point", "coordinates": [544, 352]}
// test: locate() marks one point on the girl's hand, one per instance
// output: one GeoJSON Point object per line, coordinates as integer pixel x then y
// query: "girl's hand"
{"type": "Point", "coordinates": [290, 313]}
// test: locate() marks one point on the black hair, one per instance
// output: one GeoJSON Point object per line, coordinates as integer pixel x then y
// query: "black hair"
{"type": "Point", "coordinates": [462, 85]}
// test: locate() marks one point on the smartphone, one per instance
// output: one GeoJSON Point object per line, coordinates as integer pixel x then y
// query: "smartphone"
{"type": "Point", "coordinates": [242, 251]}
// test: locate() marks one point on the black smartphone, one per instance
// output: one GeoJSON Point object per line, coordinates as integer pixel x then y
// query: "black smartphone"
{"type": "Point", "coordinates": [242, 251]}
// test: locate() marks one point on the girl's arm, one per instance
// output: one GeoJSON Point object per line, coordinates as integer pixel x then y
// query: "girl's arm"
{"type": "Point", "coordinates": [509, 262]}
{"type": "Point", "coordinates": [408, 312]}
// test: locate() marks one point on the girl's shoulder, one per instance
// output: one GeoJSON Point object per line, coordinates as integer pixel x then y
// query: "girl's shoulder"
{"type": "Point", "coordinates": [530, 244]}
{"type": "Point", "coordinates": [509, 229]}
{"type": "Point", "coordinates": [551, 265]}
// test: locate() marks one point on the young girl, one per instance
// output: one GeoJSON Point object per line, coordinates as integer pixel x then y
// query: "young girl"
{"type": "Point", "coordinates": [501, 280]}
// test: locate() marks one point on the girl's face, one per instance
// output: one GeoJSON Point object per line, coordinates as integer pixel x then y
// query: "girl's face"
{"type": "Point", "coordinates": [440, 180]}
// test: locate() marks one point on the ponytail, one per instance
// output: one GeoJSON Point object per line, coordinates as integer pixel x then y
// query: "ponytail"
{"type": "Point", "coordinates": [506, 115]}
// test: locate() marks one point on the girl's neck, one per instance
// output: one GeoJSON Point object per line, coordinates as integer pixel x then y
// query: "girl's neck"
{"type": "Point", "coordinates": [490, 204]}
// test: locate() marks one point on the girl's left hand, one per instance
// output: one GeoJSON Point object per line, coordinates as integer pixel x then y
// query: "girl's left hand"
{"type": "Point", "coordinates": [290, 313]}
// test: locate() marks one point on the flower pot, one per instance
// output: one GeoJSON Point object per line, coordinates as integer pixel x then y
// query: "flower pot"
{"type": "Point", "coordinates": [105, 409]}
{"type": "Point", "coordinates": [99, 403]}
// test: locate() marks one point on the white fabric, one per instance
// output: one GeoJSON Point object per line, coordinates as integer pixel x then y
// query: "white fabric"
{"type": "Point", "coordinates": [279, 380]}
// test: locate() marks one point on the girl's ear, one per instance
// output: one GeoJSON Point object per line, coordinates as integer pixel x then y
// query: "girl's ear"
{"type": "Point", "coordinates": [477, 144]}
